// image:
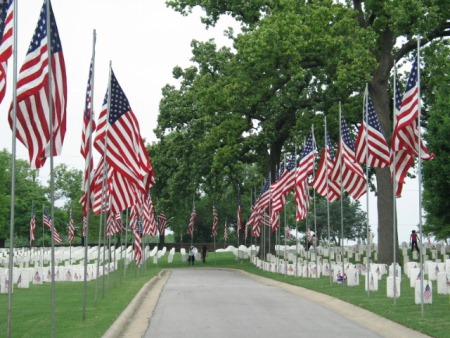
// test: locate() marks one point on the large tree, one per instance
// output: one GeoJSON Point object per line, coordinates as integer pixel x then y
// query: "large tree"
{"type": "Point", "coordinates": [293, 63]}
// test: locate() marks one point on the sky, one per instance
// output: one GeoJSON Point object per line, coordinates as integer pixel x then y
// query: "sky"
{"type": "Point", "coordinates": [144, 40]}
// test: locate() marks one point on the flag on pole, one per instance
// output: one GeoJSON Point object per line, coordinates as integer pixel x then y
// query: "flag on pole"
{"type": "Point", "coordinates": [6, 41]}
{"type": "Point", "coordinates": [134, 224]}
{"type": "Point", "coordinates": [48, 223]}
{"type": "Point", "coordinates": [84, 226]}
{"type": "Point", "coordinates": [71, 228]}
{"type": "Point", "coordinates": [32, 127]}
{"type": "Point", "coordinates": [86, 135]}
{"type": "Point", "coordinates": [371, 147]}
{"type": "Point", "coordinates": [304, 169]}
{"type": "Point", "coordinates": [32, 225]}
{"type": "Point", "coordinates": [402, 160]}
{"type": "Point", "coordinates": [190, 229]}
{"type": "Point", "coordinates": [322, 181]}
{"type": "Point", "coordinates": [225, 232]}
{"type": "Point", "coordinates": [149, 226]}
{"type": "Point", "coordinates": [353, 179]}
{"type": "Point", "coordinates": [215, 221]}
{"type": "Point", "coordinates": [239, 213]}
{"type": "Point", "coordinates": [162, 223]}
{"type": "Point", "coordinates": [406, 130]}
{"type": "Point", "coordinates": [125, 150]}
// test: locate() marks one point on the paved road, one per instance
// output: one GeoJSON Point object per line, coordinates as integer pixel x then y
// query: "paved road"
{"type": "Point", "coordinates": [220, 303]}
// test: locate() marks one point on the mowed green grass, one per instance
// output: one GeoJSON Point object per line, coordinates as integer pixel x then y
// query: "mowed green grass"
{"type": "Point", "coordinates": [31, 308]}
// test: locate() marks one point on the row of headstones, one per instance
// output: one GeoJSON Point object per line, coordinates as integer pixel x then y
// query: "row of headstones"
{"type": "Point", "coordinates": [22, 278]}
{"type": "Point", "coordinates": [353, 272]}
{"type": "Point", "coordinates": [326, 251]}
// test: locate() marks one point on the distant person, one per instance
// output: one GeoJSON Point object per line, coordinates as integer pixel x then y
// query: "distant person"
{"type": "Point", "coordinates": [191, 255]}
{"type": "Point", "coordinates": [204, 250]}
{"type": "Point", "coordinates": [311, 241]}
{"type": "Point", "coordinates": [413, 239]}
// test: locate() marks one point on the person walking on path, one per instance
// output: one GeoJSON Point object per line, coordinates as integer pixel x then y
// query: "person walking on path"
{"type": "Point", "coordinates": [413, 239]}
{"type": "Point", "coordinates": [191, 255]}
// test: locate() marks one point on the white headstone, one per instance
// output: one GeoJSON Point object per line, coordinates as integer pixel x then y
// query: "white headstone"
{"type": "Point", "coordinates": [352, 277]}
{"type": "Point", "coordinates": [427, 292]}
{"type": "Point", "coordinates": [371, 282]}
{"type": "Point", "coordinates": [390, 287]}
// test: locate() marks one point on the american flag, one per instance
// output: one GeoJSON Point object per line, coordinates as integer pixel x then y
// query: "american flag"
{"type": "Point", "coordinates": [284, 185]}
{"type": "Point", "coordinates": [86, 137]}
{"type": "Point", "coordinates": [32, 127]}
{"type": "Point", "coordinates": [84, 226]}
{"type": "Point", "coordinates": [427, 292]}
{"type": "Point", "coordinates": [32, 225]}
{"type": "Point", "coordinates": [215, 221]}
{"type": "Point", "coordinates": [149, 217]}
{"type": "Point", "coordinates": [125, 150]}
{"type": "Point", "coordinates": [225, 232]}
{"type": "Point", "coordinates": [71, 228]}
{"type": "Point", "coordinates": [134, 224]}
{"type": "Point", "coordinates": [6, 40]}
{"type": "Point", "coordinates": [402, 160]}
{"type": "Point", "coordinates": [162, 223]}
{"type": "Point", "coordinates": [238, 213]}
{"type": "Point", "coordinates": [406, 131]}
{"type": "Point", "coordinates": [353, 179]}
{"type": "Point", "coordinates": [110, 224]}
{"type": "Point", "coordinates": [305, 168]}
{"type": "Point", "coordinates": [322, 182]}
{"type": "Point", "coordinates": [190, 229]}
{"type": "Point", "coordinates": [371, 147]}
{"type": "Point", "coordinates": [261, 204]}
{"type": "Point", "coordinates": [48, 223]}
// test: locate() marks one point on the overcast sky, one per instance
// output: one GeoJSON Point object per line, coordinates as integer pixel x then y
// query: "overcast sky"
{"type": "Point", "coordinates": [144, 40]}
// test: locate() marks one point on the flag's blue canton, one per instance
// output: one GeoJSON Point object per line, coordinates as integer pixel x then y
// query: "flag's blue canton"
{"type": "Point", "coordinates": [372, 117]}
{"type": "Point", "coordinates": [308, 147]}
{"type": "Point", "coordinates": [291, 163]}
{"type": "Point", "coordinates": [140, 222]}
{"type": "Point", "coordinates": [265, 186]}
{"type": "Point", "coordinates": [41, 32]}
{"type": "Point", "coordinates": [330, 146]}
{"type": "Point", "coordinates": [87, 108]}
{"type": "Point", "coordinates": [119, 103]}
{"type": "Point", "coordinates": [346, 135]}
{"type": "Point", "coordinates": [4, 4]}
{"type": "Point", "coordinates": [412, 80]}
{"type": "Point", "coordinates": [32, 213]}
{"type": "Point", "coordinates": [239, 198]}
{"type": "Point", "coordinates": [398, 98]}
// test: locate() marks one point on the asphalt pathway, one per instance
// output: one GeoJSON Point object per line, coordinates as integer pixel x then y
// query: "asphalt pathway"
{"type": "Point", "coordinates": [205, 303]}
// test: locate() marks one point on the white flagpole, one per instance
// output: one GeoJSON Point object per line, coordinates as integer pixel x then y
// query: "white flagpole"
{"type": "Point", "coordinates": [342, 195]}
{"type": "Point", "coordinates": [13, 172]}
{"type": "Point", "coordinates": [88, 192]}
{"type": "Point", "coordinates": [366, 140]}
{"type": "Point", "coordinates": [419, 175]}
{"type": "Point", "coordinates": [394, 200]}
{"type": "Point", "coordinates": [328, 202]}
{"type": "Point", "coordinates": [52, 176]}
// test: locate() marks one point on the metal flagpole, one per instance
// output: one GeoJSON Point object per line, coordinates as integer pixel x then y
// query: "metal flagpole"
{"type": "Point", "coordinates": [52, 175]}
{"type": "Point", "coordinates": [419, 175]}
{"type": "Point", "coordinates": [315, 212]}
{"type": "Point", "coordinates": [89, 163]}
{"type": "Point", "coordinates": [394, 200]}
{"type": "Point", "coordinates": [13, 173]}
{"type": "Point", "coordinates": [366, 137]}
{"type": "Point", "coordinates": [104, 187]}
{"type": "Point", "coordinates": [328, 202]}
{"type": "Point", "coordinates": [342, 199]}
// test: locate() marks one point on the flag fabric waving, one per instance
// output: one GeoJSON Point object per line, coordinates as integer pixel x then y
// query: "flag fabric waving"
{"type": "Point", "coordinates": [32, 127]}
{"type": "Point", "coordinates": [86, 135]}
{"type": "Point", "coordinates": [215, 221]}
{"type": "Point", "coordinates": [71, 228]}
{"type": "Point", "coordinates": [162, 223]}
{"type": "Point", "coordinates": [353, 179]}
{"type": "Point", "coordinates": [322, 181]}
{"type": "Point", "coordinates": [305, 168]}
{"type": "Point", "coordinates": [48, 223]}
{"type": "Point", "coordinates": [406, 131]}
{"type": "Point", "coordinates": [119, 129]}
{"type": "Point", "coordinates": [402, 160]}
{"type": "Point", "coordinates": [371, 147]}
{"type": "Point", "coordinates": [190, 229]}
{"type": "Point", "coordinates": [149, 226]}
{"type": "Point", "coordinates": [32, 225]}
{"type": "Point", "coordinates": [6, 41]}
{"type": "Point", "coordinates": [239, 214]}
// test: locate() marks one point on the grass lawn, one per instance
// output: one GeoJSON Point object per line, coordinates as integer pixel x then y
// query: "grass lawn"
{"type": "Point", "coordinates": [31, 308]}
